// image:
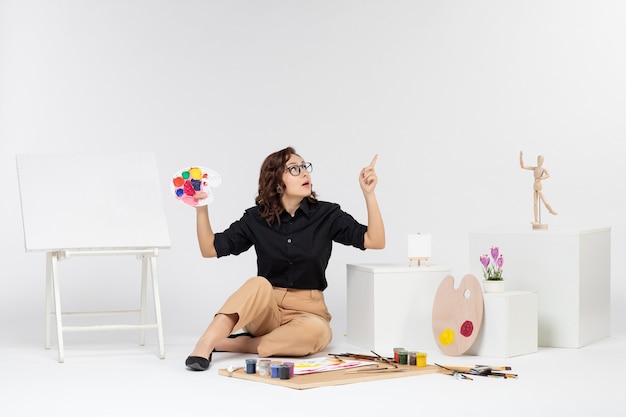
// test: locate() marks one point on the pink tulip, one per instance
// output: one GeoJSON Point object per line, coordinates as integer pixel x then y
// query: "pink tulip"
{"type": "Point", "coordinates": [484, 259]}
{"type": "Point", "coordinates": [494, 252]}
{"type": "Point", "coordinates": [500, 261]}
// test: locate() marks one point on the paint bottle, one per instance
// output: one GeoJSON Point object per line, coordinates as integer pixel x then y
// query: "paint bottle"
{"type": "Point", "coordinates": [420, 358]}
{"type": "Point", "coordinates": [275, 370]}
{"type": "Point", "coordinates": [412, 360]}
{"type": "Point", "coordinates": [264, 367]}
{"type": "Point", "coordinates": [291, 368]}
{"type": "Point", "coordinates": [395, 354]}
{"type": "Point", "coordinates": [284, 371]}
{"type": "Point", "coordinates": [251, 366]}
{"type": "Point", "coordinates": [403, 357]}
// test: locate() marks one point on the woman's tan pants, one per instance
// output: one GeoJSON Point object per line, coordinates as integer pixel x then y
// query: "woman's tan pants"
{"type": "Point", "coordinates": [290, 322]}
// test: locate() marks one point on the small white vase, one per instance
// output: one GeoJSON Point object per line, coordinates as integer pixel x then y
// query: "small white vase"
{"type": "Point", "coordinates": [493, 286]}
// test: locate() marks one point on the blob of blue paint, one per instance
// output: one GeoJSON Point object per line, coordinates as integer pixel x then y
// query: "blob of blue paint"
{"type": "Point", "coordinates": [197, 184]}
{"type": "Point", "coordinates": [179, 192]}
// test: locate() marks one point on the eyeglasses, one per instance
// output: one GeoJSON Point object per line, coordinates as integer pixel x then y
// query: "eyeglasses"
{"type": "Point", "coordinates": [295, 170]}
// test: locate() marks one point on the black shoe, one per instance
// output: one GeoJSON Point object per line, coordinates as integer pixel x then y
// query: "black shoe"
{"type": "Point", "coordinates": [198, 363]}
{"type": "Point", "coordinates": [234, 336]}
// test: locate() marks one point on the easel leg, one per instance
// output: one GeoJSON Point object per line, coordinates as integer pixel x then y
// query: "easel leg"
{"type": "Point", "coordinates": [419, 261]}
{"type": "Point", "coordinates": [54, 277]}
{"type": "Point", "coordinates": [144, 288]}
{"type": "Point", "coordinates": [157, 306]}
{"type": "Point", "coordinates": [48, 297]}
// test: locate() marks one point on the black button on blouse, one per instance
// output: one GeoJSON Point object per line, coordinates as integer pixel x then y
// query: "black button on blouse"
{"type": "Point", "coordinates": [294, 253]}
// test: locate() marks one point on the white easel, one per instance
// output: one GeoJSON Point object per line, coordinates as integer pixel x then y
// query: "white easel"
{"type": "Point", "coordinates": [94, 205]}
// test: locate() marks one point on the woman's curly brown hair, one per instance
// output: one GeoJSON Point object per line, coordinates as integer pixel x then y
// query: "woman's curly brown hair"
{"type": "Point", "coordinates": [271, 181]}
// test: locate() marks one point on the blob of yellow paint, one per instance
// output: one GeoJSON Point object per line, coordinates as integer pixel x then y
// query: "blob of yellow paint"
{"type": "Point", "coordinates": [196, 173]}
{"type": "Point", "coordinates": [446, 337]}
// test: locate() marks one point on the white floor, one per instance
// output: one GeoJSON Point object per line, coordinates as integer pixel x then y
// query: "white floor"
{"type": "Point", "coordinates": [118, 378]}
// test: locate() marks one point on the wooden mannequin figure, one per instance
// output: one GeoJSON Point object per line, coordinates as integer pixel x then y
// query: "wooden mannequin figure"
{"type": "Point", "coordinates": [540, 174]}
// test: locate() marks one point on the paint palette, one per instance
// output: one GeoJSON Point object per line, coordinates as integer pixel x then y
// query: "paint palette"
{"type": "Point", "coordinates": [190, 181]}
{"type": "Point", "coordinates": [457, 314]}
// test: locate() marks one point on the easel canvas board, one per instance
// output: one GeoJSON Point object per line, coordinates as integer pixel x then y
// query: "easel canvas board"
{"type": "Point", "coordinates": [91, 201]}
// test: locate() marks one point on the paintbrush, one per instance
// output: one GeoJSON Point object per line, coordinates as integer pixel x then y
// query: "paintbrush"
{"type": "Point", "coordinates": [501, 375]}
{"type": "Point", "coordinates": [463, 369]}
{"type": "Point", "coordinates": [374, 369]}
{"type": "Point", "coordinates": [479, 369]}
{"type": "Point", "coordinates": [454, 373]}
{"type": "Point", "coordinates": [495, 368]}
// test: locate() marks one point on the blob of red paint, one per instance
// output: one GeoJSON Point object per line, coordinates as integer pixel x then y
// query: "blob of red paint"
{"type": "Point", "coordinates": [188, 187]}
{"type": "Point", "coordinates": [467, 328]}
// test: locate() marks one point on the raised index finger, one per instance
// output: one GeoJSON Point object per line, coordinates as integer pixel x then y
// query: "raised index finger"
{"type": "Point", "coordinates": [373, 161]}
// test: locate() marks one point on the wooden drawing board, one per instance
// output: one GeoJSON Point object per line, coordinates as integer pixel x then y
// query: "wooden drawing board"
{"type": "Point", "coordinates": [339, 377]}
{"type": "Point", "coordinates": [91, 201]}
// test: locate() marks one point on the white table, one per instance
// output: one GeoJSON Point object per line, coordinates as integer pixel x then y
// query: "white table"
{"type": "Point", "coordinates": [390, 305]}
{"type": "Point", "coordinates": [509, 326]}
{"type": "Point", "coordinates": [569, 268]}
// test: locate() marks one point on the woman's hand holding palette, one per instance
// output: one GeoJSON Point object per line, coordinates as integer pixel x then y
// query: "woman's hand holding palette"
{"type": "Point", "coordinates": [192, 186]}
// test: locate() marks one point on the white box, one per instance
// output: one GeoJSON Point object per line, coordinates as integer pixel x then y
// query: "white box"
{"type": "Point", "coordinates": [569, 268]}
{"type": "Point", "coordinates": [391, 306]}
{"type": "Point", "coordinates": [509, 325]}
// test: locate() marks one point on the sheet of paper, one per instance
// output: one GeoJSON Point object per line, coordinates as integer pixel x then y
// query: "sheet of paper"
{"type": "Point", "coordinates": [324, 364]}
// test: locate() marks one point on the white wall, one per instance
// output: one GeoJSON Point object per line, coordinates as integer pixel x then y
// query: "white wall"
{"type": "Point", "coordinates": [446, 92]}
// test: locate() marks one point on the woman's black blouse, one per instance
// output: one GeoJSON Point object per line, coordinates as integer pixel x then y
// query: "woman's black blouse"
{"type": "Point", "coordinates": [294, 253]}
